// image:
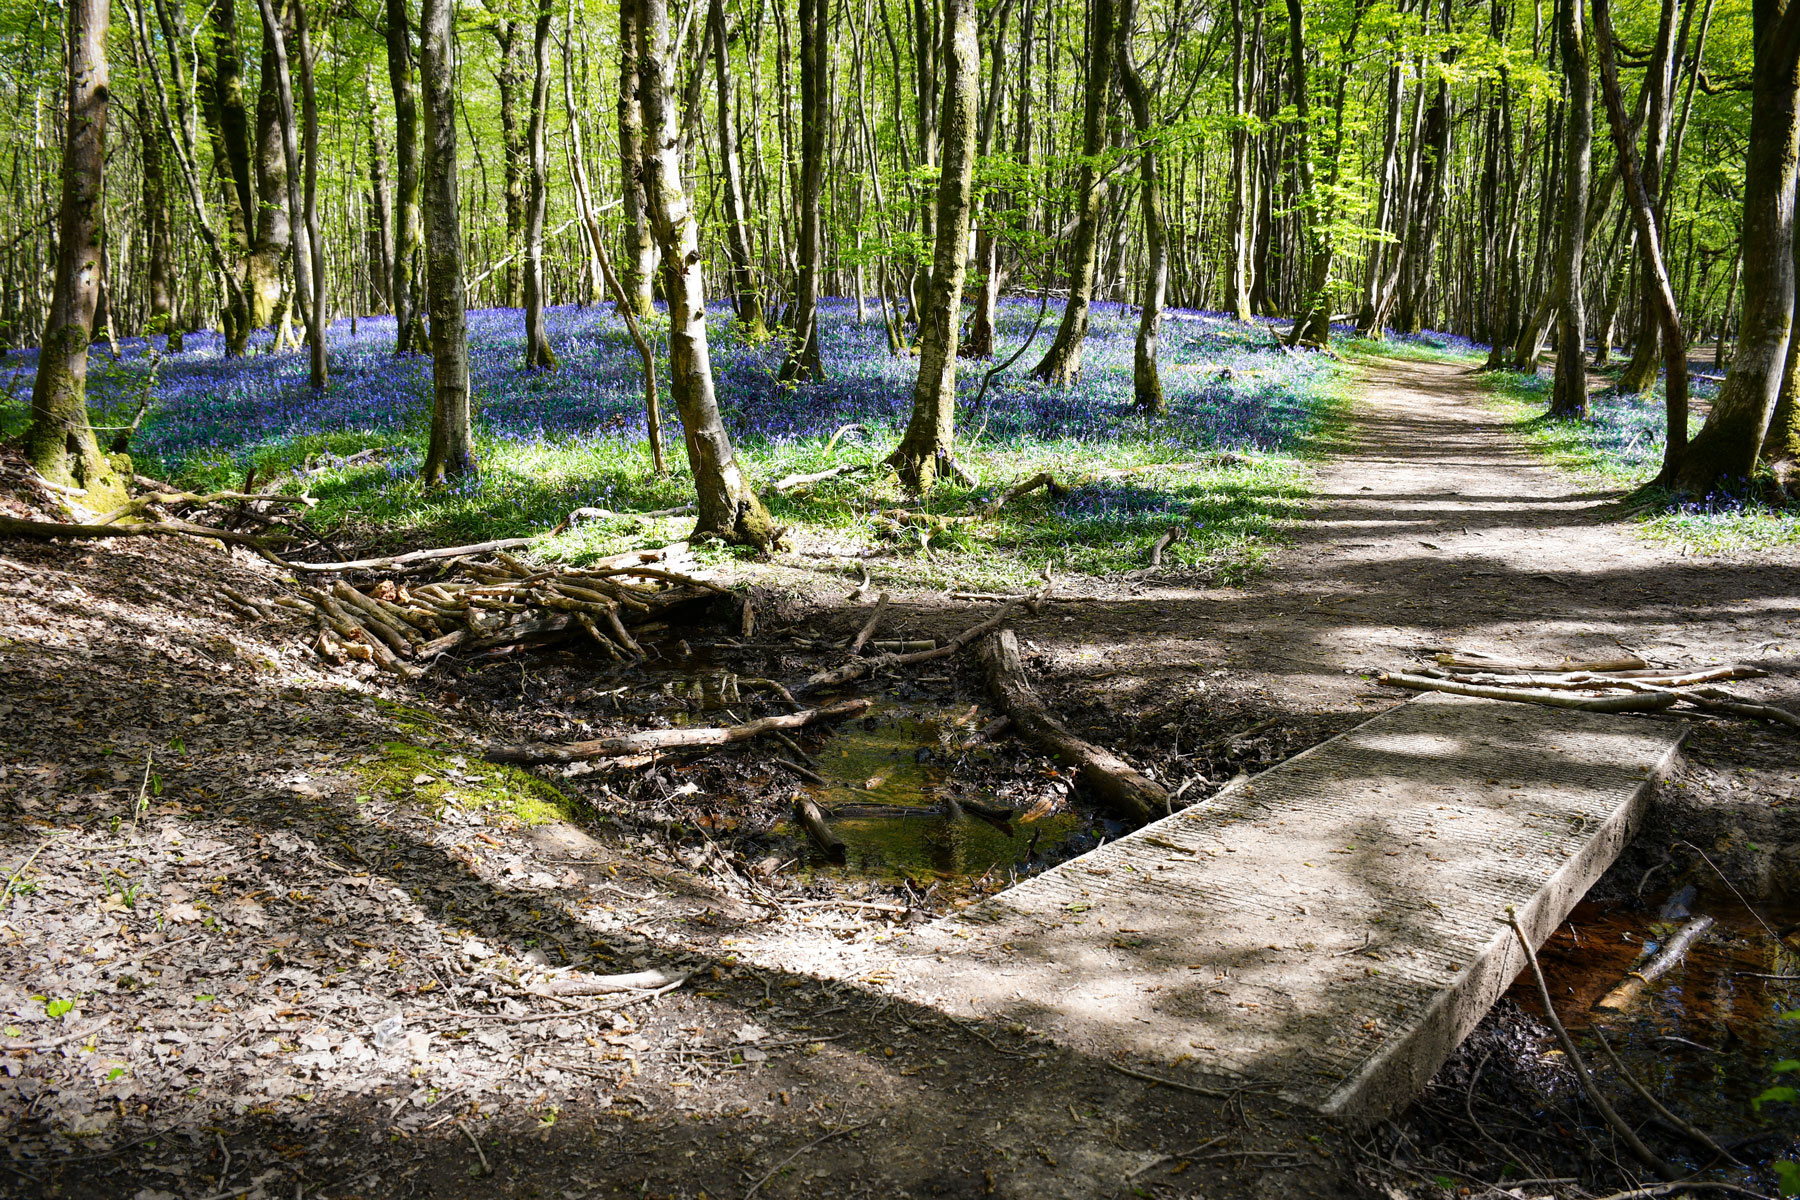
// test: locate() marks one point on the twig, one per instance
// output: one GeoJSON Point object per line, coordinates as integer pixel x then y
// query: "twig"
{"type": "Point", "coordinates": [1709, 862]}
{"type": "Point", "coordinates": [842, 1129]}
{"type": "Point", "coordinates": [1688, 1130]}
{"type": "Point", "coordinates": [1163, 1158]}
{"type": "Point", "coordinates": [1177, 1084]}
{"type": "Point", "coordinates": [1634, 702]}
{"type": "Point", "coordinates": [1626, 1133]}
{"type": "Point", "coordinates": [479, 1153]}
{"type": "Point", "coordinates": [868, 630]}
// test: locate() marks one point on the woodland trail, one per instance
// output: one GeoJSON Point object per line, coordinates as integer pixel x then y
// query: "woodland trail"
{"type": "Point", "coordinates": [1439, 527]}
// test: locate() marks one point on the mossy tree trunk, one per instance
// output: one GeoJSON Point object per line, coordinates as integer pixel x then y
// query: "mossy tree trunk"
{"type": "Point", "coordinates": [803, 359]}
{"type": "Point", "coordinates": [637, 268]}
{"type": "Point", "coordinates": [409, 320]}
{"type": "Point", "coordinates": [1146, 382]}
{"type": "Point", "coordinates": [728, 506]}
{"type": "Point", "coordinates": [930, 434]}
{"type": "Point", "coordinates": [451, 453]}
{"type": "Point", "coordinates": [59, 443]}
{"type": "Point", "coordinates": [745, 297]}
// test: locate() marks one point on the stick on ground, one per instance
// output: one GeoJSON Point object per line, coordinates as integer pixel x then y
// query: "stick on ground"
{"type": "Point", "coordinates": [647, 740]}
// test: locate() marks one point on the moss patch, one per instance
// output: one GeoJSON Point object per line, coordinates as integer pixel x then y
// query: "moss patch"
{"type": "Point", "coordinates": [438, 778]}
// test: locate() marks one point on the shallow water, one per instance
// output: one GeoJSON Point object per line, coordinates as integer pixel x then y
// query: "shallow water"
{"type": "Point", "coordinates": [1707, 1038]}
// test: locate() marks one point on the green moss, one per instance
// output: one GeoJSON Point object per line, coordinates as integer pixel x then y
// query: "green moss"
{"type": "Point", "coordinates": [438, 778]}
{"type": "Point", "coordinates": [414, 722]}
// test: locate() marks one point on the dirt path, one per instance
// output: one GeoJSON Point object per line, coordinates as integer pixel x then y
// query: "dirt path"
{"type": "Point", "coordinates": [226, 953]}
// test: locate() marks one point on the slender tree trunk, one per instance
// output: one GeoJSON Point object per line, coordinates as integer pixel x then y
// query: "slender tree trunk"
{"type": "Point", "coordinates": [272, 217]}
{"type": "Point", "coordinates": [1238, 289]}
{"type": "Point", "coordinates": [928, 445]}
{"type": "Point", "coordinates": [1368, 322]}
{"type": "Point", "coordinates": [1146, 383]}
{"type": "Point", "coordinates": [728, 506]}
{"type": "Point", "coordinates": [537, 343]}
{"type": "Point", "coordinates": [1643, 211]}
{"type": "Point", "coordinates": [638, 266]}
{"type": "Point", "coordinates": [1568, 396]}
{"type": "Point", "coordinates": [507, 80]}
{"type": "Point", "coordinates": [59, 442]}
{"type": "Point", "coordinates": [1061, 365]}
{"type": "Point", "coordinates": [159, 272]}
{"type": "Point", "coordinates": [451, 453]}
{"type": "Point", "coordinates": [301, 214]}
{"type": "Point", "coordinates": [317, 317]}
{"type": "Point", "coordinates": [745, 296]}
{"type": "Point", "coordinates": [1724, 454]}
{"type": "Point", "coordinates": [1781, 444]}
{"type": "Point", "coordinates": [1640, 372]}
{"type": "Point", "coordinates": [409, 318]}
{"type": "Point", "coordinates": [803, 360]}
{"type": "Point", "coordinates": [382, 203]}
{"type": "Point", "coordinates": [980, 343]}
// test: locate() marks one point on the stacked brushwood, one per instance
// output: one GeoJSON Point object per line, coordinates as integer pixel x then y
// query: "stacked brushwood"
{"type": "Point", "coordinates": [498, 604]}
{"type": "Point", "coordinates": [1622, 684]}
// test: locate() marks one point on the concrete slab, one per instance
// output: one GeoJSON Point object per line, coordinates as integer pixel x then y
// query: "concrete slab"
{"type": "Point", "coordinates": [1334, 926]}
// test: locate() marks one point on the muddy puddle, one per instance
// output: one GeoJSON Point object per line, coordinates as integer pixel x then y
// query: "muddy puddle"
{"type": "Point", "coordinates": [1709, 1038]}
{"type": "Point", "coordinates": [904, 791]}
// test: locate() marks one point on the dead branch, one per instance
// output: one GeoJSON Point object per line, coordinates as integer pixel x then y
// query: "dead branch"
{"type": "Point", "coordinates": [1649, 702]}
{"type": "Point", "coordinates": [1043, 479]}
{"type": "Point", "coordinates": [1130, 794]}
{"type": "Point", "coordinates": [862, 668]}
{"type": "Point", "coordinates": [647, 740]}
{"type": "Point", "coordinates": [813, 821]}
{"type": "Point", "coordinates": [1687, 1129]}
{"type": "Point", "coordinates": [417, 556]}
{"type": "Point", "coordinates": [789, 483]}
{"type": "Point", "coordinates": [1170, 536]}
{"type": "Point", "coordinates": [1661, 963]}
{"type": "Point", "coordinates": [868, 630]}
{"type": "Point", "coordinates": [132, 508]}
{"type": "Point", "coordinates": [1625, 1132]}
{"type": "Point", "coordinates": [46, 530]}
{"type": "Point", "coordinates": [602, 985]}
{"type": "Point", "coordinates": [1485, 662]}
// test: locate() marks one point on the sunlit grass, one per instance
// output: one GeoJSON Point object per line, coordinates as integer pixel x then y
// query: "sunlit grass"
{"type": "Point", "coordinates": [550, 443]}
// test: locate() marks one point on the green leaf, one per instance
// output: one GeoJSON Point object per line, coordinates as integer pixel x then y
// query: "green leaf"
{"type": "Point", "coordinates": [1787, 1177]}
{"type": "Point", "coordinates": [1791, 1016]}
{"type": "Point", "coordinates": [1775, 1095]}
{"type": "Point", "coordinates": [178, 746]}
{"type": "Point", "coordinates": [57, 1008]}
{"type": "Point", "coordinates": [114, 1073]}
{"type": "Point", "coordinates": [1786, 1065]}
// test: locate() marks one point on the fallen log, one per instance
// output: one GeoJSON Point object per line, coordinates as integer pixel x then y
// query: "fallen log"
{"type": "Point", "coordinates": [416, 556]}
{"type": "Point", "coordinates": [648, 740]}
{"type": "Point", "coordinates": [1660, 964]}
{"type": "Point", "coordinates": [816, 826]}
{"type": "Point", "coordinates": [1128, 793]}
{"type": "Point", "coordinates": [47, 530]}
{"type": "Point", "coordinates": [133, 507]}
{"type": "Point", "coordinates": [1633, 702]}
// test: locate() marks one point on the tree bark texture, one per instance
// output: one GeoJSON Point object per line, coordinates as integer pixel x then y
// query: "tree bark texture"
{"type": "Point", "coordinates": [409, 319]}
{"type": "Point", "coordinates": [1146, 382]}
{"type": "Point", "coordinates": [1061, 365]}
{"type": "Point", "coordinates": [803, 360]}
{"type": "Point", "coordinates": [538, 354]}
{"type": "Point", "coordinates": [1568, 395]}
{"type": "Point", "coordinates": [728, 506]}
{"type": "Point", "coordinates": [1724, 454]}
{"type": "Point", "coordinates": [637, 268]}
{"type": "Point", "coordinates": [451, 453]}
{"type": "Point", "coordinates": [746, 299]}
{"type": "Point", "coordinates": [59, 443]}
{"type": "Point", "coordinates": [930, 433]}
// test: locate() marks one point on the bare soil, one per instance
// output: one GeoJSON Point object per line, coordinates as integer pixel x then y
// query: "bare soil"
{"type": "Point", "coordinates": [247, 960]}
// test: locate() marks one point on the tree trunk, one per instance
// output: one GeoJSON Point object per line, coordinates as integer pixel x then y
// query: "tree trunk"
{"type": "Point", "coordinates": [1238, 289]}
{"type": "Point", "coordinates": [409, 319]}
{"type": "Point", "coordinates": [803, 360]}
{"type": "Point", "coordinates": [728, 506]}
{"type": "Point", "coordinates": [272, 218]}
{"type": "Point", "coordinates": [1146, 383]}
{"type": "Point", "coordinates": [1568, 396]}
{"type": "Point", "coordinates": [537, 343]}
{"type": "Point", "coordinates": [381, 202]}
{"type": "Point", "coordinates": [59, 443]}
{"type": "Point", "coordinates": [1643, 211]}
{"type": "Point", "coordinates": [507, 80]}
{"type": "Point", "coordinates": [451, 453]}
{"type": "Point", "coordinates": [159, 273]}
{"type": "Point", "coordinates": [980, 343]}
{"type": "Point", "coordinates": [928, 444]}
{"type": "Point", "coordinates": [1061, 365]}
{"type": "Point", "coordinates": [1368, 315]}
{"type": "Point", "coordinates": [317, 317]}
{"type": "Point", "coordinates": [745, 297]}
{"type": "Point", "coordinates": [638, 266]}
{"type": "Point", "coordinates": [1724, 454]}
{"type": "Point", "coordinates": [300, 213]}
{"type": "Point", "coordinates": [1640, 373]}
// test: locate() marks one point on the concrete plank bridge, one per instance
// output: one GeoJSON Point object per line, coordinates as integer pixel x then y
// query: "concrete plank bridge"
{"type": "Point", "coordinates": [1332, 927]}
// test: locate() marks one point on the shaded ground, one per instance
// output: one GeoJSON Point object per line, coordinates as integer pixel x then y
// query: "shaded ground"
{"type": "Point", "coordinates": [233, 950]}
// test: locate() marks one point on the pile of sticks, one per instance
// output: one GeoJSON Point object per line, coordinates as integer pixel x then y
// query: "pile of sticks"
{"type": "Point", "coordinates": [1623, 684]}
{"type": "Point", "coordinates": [499, 605]}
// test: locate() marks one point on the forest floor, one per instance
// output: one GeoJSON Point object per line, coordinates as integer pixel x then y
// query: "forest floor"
{"type": "Point", "coordinates": [271, 927]}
